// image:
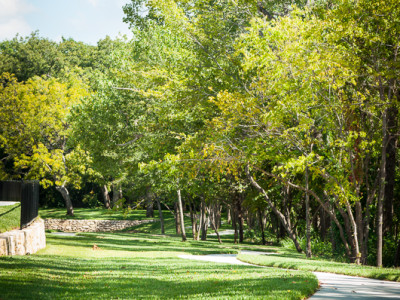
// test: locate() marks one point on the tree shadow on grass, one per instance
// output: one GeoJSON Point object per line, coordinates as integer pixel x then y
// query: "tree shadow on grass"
{"type": "Point", "coordinates": [46, 277]}
{"type": "Point", "coordinates": [141, 243]}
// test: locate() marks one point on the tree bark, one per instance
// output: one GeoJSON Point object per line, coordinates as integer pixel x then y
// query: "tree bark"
{"type": "Point", "coordinates": [332, 236]}
{"type": "Point", "coordinates": [325, 207]}
{"type": "Point", "coordinates": [149, 203]}
{"type": "Point", "coordinates": [397, 255]}
{"type": "Point", "coordinates": [379, 213]}
{"type": "Point", "coordinates": [68, 204]}
{"type": "Point", "coordinates": [234, 224]}
{"type": "Point", "coordinates": [177, 219]}
{"type": "Point", "coordinates": [204, 225]}
{"type": "Point", "coordinates": [228, 212]}
{"type": "Point", "coordinates": [193, 219]}
{"type": "Point", "coordinates": [391, 163]}
{"type": "Point", "coordinates": [161, 216]}
{"type": "Point", "coordinates": [214, 221]}
{"type": "Point", "coordinates": [115, 194]}
{"type": "Point", "coordinates": [106, 197]}
{"type": "Point", "coordinates": [240, 217]}
{"type": "Point", "coordinates": [181, 216]}
{"type": "Point", "coordinates": [353, 241]}
{"type": "Point", "coordinates": [360, 226]}
{"type": "Point", "coordinates": [261, 221]}
{"type": "Point", "coordinates": [308, 225]}
{"type": "Point", "coordinates": [200, 221]}
{"type": "Point", "coordinates": [281, 217]}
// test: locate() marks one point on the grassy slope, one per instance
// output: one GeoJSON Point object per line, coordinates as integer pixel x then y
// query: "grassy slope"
{"type": "Point", "coordinates": [135, 266]}
{"type": "Point", "coordinates": [286, 258]}
{"type": "Point", "coordinates": [10, 217]}
{"type": "Point", "coordinates": [299, 262]}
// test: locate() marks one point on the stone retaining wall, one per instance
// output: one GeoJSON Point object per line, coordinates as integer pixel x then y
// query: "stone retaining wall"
{"type": "Point", "coordinates": [25, 241]}
{"type": "Point", "coordinates": [91, 225]}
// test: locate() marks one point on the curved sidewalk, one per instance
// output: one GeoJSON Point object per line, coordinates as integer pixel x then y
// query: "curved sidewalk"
{"type": "Point", "coordinates": [332, 286]}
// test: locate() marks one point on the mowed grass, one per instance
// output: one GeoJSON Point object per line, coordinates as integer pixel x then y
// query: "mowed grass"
{"type": "Point", "coordinates": [141, 266]}
{"type": "Point", "coordinates": [10, 217]}
{"type": "Point", "coordinates": [299, 262]}
{"type": "Point", "coordinates": [93, 214]}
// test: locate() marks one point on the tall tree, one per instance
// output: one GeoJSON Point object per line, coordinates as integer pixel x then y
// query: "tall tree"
{"type": "Point", "coordinates": [34, 130]}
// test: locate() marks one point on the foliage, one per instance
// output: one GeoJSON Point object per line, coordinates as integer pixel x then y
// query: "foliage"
{"type": "Point", "coordinates": [34, 131]}
{"type": "Point", "coordinates": [91, 200]}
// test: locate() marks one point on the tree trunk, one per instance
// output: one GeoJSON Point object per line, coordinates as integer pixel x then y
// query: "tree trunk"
{"type": "Point", "coordinates": [204, 225]}
{"type": "Point", "coordinates": [391, 163]}
{"type": "Point", "coordinates": [68, 204]}
{"type": "Point", "coordinates": [308, 225]}
{"type": "Point", "coordinates": [181, 216]}
{"type": "Point", "coordinates": [228, 212]}
{"type": "Point", "coordinates": [281, 217]}
{"type": "Point", "coordinates": [379, 213]}
{"type": "Point", "coordinates": [106, 197]}
{"type": "Point", "coordinates": [234, 223]}
{"type": "Point", "coordinates": [115, 195]}
{"type": "Point", "coordinates": [193, 219]}
{"type": "Point", "coordinates": [324, 225]}
{"type": "Point", "coordinates": [261, 226]}
{"type": "Point", "coordinates": [149, 203]}
{"type": "Point", "coordinates": [360, 226]}
{"type": "Point", "coordinates": [200, 221]}
{"type": "Point", "coordinates": [161, 216]}
{"type": "Point", "coordinates": [354, 236]}
{"type": "Point", "coordinates": [177, 219]}
{"type": "Point", "coordinates": [397, 256]}
{"type": "Point", "coordinates": [348, 233]}
{"type": "Point", "coordinates": [332, 236]}
{"type": "Point", "coordinates": [214, 221]}
{"type": "Point", "coordinates": [240, 217]}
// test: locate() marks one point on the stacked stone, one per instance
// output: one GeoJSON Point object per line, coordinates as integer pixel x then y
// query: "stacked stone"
{"type": "Point", "coordinates": [25, 241]}
{"type": "Point", "coordinates": [91, 225]}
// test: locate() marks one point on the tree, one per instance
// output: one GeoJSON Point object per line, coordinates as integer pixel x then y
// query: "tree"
{"type": "Point", "coordinates": [30, 56]}
{"type": "Point", "coordinates": [34, 130]}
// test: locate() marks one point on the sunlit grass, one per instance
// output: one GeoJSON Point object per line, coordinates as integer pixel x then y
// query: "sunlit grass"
{"type": "Point", "coordinates": [299, 262]}
{"type": "Point", "coordinates": [141, 266]}
{"type": "Point", "coordinates": [10, 217]}
{"type": "Point", "coordinates": [92, 214]}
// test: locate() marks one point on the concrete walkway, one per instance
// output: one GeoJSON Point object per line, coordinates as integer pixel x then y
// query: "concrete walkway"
{"type": "Point", "coordinates": [7, 203]}
{"type": "Point", "coordinates": [332, 286]}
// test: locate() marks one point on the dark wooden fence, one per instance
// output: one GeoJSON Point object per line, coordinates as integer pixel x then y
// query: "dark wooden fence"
{"type": "Point", "coordinates": [26, 192]}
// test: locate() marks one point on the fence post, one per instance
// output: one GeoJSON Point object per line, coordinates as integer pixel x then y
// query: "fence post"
{"type": "Point", "coordinates": [29, 202]}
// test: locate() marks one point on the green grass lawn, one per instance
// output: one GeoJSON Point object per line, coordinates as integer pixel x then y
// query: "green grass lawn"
{"type": "Point", "coordinates": [10, 217]}
{"type": "Point", "coordinates": [286, 258]}
{"type": "Point", "coordinates": [141, 266]}
{"type": "Point", "coordinates": [104, 214]}
{"type": "Point", "coordinates": [298, 261]}
{"type": "Point", "coordinates": [93, 214]}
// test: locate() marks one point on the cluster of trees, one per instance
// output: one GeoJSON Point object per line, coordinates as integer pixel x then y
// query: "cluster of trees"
{"type": "Point", "coordinates": [284, 114]}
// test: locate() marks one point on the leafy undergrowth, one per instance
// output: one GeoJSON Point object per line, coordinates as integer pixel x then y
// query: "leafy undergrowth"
{"type": "Point", "coordinates": [10, 217]}
{"type": "Point", "coordinates": [299, 262]}
{"type": "Point", "coordinates": [141, 266]}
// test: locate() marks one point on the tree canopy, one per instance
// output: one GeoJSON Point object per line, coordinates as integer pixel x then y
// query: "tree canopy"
{"type": "Point", "coordinates": [272, 111]}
